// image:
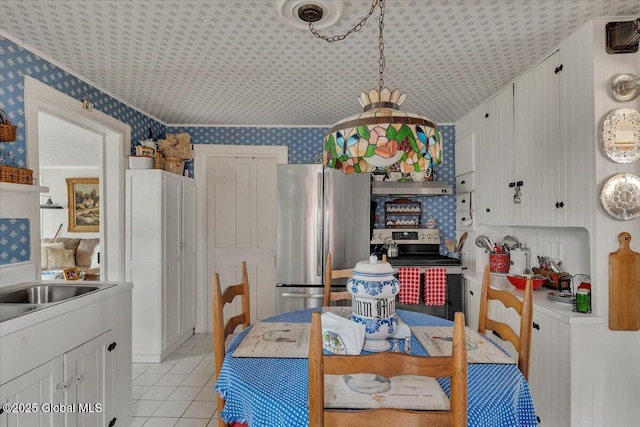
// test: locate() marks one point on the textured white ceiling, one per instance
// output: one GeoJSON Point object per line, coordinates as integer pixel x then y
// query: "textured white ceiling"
{"type": "Point", "coordinates": [224, 62]}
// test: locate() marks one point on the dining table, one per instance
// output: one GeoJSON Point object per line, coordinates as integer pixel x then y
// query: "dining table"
{"type": "Point", "coordinates": [273, 391]}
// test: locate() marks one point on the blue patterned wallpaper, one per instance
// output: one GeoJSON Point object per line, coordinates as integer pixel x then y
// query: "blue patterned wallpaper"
{"type": "Point", "coordinates": [15, 240]}
{"type": "Point", "coordinates": [16, 62]}
{"type": "Point", "coordinates": [304, 143]}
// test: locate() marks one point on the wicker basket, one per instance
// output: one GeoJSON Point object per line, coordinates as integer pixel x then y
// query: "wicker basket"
{"type": "Point", "coordinates": [7, 132]}
{"type": "Point", "coordinates": [16, 175]}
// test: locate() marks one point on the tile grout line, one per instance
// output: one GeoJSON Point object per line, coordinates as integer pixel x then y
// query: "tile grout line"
{"type": "Point", "coordinates": [189, 352]}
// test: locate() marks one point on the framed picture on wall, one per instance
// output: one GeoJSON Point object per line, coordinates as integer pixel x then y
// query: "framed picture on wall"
{"type": "Point", "coordinates": [83, 196]}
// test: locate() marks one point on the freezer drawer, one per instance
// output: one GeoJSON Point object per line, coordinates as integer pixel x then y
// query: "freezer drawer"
{"type": "Point", "coordinates": [290, 298]}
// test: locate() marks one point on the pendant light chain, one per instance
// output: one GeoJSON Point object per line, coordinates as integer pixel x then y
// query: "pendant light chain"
{"type": "Point", "coordinates": [381, 61]}
{"type": "Point", "coordinates": [358, 26]}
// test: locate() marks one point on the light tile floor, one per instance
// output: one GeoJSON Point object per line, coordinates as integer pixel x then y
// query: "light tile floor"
{"type": "Point", "coordinates": [179, 390]}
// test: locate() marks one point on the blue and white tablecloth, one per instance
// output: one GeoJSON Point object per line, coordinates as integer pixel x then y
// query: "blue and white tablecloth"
{"type": "Point", "coordinates": [273, 392]}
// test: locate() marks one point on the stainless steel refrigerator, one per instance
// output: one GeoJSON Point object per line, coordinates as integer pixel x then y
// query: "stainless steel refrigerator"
{"type": "Point", "coordinates": [319, 211]}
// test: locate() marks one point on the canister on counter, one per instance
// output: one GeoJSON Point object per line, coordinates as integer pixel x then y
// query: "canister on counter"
{"type": "Point", "coordinates": [583, 301]}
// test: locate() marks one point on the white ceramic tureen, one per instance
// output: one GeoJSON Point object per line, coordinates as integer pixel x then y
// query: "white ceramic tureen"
{"type": "Point", "coordinates": [374, 290]}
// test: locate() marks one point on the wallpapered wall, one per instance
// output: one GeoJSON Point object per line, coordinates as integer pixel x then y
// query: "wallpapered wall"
{"type": "Point", "coordinates": [304, 143]}
{"type": "Point", "coordinates": [15, 63]}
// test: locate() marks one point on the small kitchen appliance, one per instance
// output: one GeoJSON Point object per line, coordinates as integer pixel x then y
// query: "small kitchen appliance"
{"type": "Point", "coordinates": [519, 260]}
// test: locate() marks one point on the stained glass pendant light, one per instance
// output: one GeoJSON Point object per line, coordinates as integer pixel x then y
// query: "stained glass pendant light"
{"type": "Point", "coordinates": [382, 135]}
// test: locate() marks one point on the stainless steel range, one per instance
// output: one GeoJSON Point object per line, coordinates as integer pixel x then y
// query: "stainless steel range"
{"type": "Point", "coordinates": [420, 247]}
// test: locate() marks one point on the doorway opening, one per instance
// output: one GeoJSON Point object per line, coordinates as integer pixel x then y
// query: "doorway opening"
{"type": "Point", "coordinates": [113, 139]}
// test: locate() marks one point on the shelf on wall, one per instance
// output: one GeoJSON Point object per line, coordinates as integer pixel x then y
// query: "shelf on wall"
{"type": "Point", "coordinates": [23, 188]}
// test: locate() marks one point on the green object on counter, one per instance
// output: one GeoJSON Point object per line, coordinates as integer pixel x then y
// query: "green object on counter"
{"type": "Point", "coordinates": [583, 301]}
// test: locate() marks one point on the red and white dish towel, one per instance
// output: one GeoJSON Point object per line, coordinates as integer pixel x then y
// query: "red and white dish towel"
{"type": "Point", "coordinates": [435, 286]}
{"type": "Point", "coordinates": [409, 278]}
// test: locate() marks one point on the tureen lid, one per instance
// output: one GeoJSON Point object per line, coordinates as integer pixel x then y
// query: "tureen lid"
{"type": "Point", "coordinates": [373, 267]}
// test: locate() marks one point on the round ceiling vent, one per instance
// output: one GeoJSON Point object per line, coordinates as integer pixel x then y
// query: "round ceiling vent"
{"type": "Point", "coordinates": [323, 13]}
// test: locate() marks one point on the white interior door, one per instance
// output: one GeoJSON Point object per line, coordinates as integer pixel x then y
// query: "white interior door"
{"type": "Point", "coordinates": [240, 224]}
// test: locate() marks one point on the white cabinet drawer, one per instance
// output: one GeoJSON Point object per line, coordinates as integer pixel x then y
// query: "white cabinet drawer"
{"type": "Point", "coordinates": [463, 202]}
{"type": "Point", "coordinates": [465, 183]}
{"type": "Point", "coordinates": [464, 219]}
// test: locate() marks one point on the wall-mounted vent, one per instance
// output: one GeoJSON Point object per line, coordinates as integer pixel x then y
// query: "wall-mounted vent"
{"type": "Point", "coordinates": [623, 37]}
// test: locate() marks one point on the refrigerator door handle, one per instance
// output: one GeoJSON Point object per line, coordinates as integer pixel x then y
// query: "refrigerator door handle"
{"type": "Point", "coordinates": [319, 227]}
{"type": "Point", "coordinates": [302, 296]}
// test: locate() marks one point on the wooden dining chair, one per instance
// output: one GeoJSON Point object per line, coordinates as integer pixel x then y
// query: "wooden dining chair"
{"type": "Point", "coordinates": [329, 275]}
{"type": "Point", "coordinates": [223, 329]}
{"type": "Point", "coordinates": [524, 308]}
{"type": "Point", "coordinates": [388, 364]}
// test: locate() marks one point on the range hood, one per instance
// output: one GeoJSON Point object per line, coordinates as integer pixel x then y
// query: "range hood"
{"type": "Point", "coordinates": [424, 188]}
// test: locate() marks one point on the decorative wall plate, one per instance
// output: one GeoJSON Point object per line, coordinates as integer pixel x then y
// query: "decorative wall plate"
{"type": "Point", "coordinates": [621, 135]}
{"type": "Point", "coordinates": [620, 196]}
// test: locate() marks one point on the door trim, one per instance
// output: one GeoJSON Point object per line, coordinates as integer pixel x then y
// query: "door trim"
{"type": "Point", "coordinates": [116, 146]}
{"type": "Point", "coordinates": [201, 154]}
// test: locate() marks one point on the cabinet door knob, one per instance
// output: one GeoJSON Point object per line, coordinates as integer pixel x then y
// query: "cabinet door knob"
{"type": "Point", "coordinates": [62, 386]}
{"type": "Point", "coordinates": [463, 181]}
{"type": "Point", "coordinates": [75, 379]}
{"type": "Point", "coordinates": [112, 422]}
{"type": "Point", "coordinates": [536, 326]}
{"type": "Point", "coordinates": [488, 210]}
{"type": "Point", "coordinates": [519, 183]}
{"type": "Point", "coordinates": [558, 68]}
{"type": "Point", "coordinates": [471, 292]}
{"type": "Point", "coordinates": [112, 346]}
{"type": "Point", "coordinates": [559, 205]}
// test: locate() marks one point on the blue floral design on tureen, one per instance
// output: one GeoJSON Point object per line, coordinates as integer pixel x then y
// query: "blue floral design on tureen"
{"type": "Point", "coordinates": [373, 326]}
{"type": "Point", "coordinates": [372, 288]}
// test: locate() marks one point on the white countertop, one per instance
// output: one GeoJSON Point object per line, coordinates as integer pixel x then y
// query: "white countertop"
{"type": "Point", "coordinates": [558, 310]}
{"type": "Point", "coordinates": [57, 309]}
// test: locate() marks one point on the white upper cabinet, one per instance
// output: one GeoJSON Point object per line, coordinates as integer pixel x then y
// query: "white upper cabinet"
{"type": "Point", "coordinates": [538, 150]}
{"type": "Point", "coordinates": [494, 200]}
{"type": "Point", "coordinates": [532, 146]}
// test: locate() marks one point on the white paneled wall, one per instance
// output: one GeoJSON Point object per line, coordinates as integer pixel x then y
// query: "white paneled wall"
{"type": "Point", "coordinates": [599, 366]}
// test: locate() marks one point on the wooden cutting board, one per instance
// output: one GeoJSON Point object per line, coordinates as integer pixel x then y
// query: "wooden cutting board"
{"type": "Point", "coordinates": [624, 287]}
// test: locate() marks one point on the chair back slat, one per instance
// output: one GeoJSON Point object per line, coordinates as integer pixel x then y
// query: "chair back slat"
{"type": "Point", "coordinates": [521, 341]}
{"type": "Point", "coordinates": [222, 329]}
{"type": "Point", "coordinates": [388, 364]}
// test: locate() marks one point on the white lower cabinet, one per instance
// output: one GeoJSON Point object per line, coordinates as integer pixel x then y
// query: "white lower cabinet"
{"type": "Point", "coordinates": [472, 303]}
{"type": "Point", "coordinates": [550, 370]}
{"type": "Point", "coordinates": [73, 389]}
{"type": "Point", "coordinates": [80, 377]}
{"type": "Point", "coordinates": [27, 393]}
{"type": "Point", "coordinates": [550, 357]}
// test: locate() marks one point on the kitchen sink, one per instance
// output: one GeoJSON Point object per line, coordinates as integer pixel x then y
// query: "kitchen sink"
{"type": "Point", "coordinates": [22, 299]}
{"type": "Point", "coordinates": [9, 311]}
{"type": "Point", "coordinates": [45, 294]}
